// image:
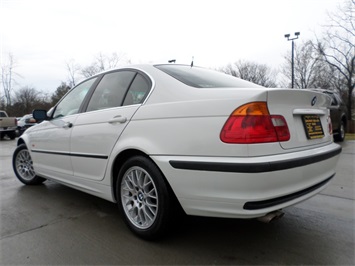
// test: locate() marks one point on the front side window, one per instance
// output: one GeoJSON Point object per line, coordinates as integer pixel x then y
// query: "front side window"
{"type": "Point", "coordinates": [111, 90]}
{"type": "Point", "coordinates": [71, 103]}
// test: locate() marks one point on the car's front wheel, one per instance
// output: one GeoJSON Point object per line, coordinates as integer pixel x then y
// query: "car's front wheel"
{"type": "Point", "coordinates": [143, 198]}
{"type": "Point", "coordinates": [23, 166]}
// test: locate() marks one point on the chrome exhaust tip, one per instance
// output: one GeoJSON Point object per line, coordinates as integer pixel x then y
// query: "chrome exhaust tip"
{"type": "Point", "coordinates": [272, 216]}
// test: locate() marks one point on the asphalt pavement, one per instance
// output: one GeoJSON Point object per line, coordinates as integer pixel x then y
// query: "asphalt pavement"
{"type": "Point", "coordinates": [55, 225]}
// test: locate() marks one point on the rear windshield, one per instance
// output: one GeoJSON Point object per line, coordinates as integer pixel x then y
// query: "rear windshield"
{"type": "Point", "coordinates": [204, 78]}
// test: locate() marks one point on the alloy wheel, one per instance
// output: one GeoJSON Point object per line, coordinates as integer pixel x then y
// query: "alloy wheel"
{"type": "Point", "coordinates": [139, 197]}
{"type": "Point", "coordinates": [24, 165]}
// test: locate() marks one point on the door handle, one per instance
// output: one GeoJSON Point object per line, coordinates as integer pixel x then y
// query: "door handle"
{"type": "Point", "coordinates": [118, 119]}
{"type": "Point", "coordinates": [67, 125]}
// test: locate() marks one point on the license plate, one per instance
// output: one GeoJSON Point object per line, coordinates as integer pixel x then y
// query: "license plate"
{"type": "Point", "coordinates": [313, 126]}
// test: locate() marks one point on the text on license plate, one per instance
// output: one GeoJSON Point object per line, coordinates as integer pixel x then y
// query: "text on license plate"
{"type": "Point", "coordinates": [313, 126]}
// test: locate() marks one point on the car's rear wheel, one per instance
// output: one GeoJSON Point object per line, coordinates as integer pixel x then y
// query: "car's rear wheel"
{"type": "Point", "coordinates": [341, 132]}
{"type": "Point", "coordinates": [143, 198]}
{"type": "Point", "coordinates": [23, 166]}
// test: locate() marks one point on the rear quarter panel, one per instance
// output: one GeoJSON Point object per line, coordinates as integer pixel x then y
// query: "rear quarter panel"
{"type": "Point", "coordinates": [190, 128]}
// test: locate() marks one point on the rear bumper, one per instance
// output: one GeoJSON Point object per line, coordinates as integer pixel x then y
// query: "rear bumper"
{"type": "Point", "coordinates": [251, 186]}
{"type": "Point", "coordinates": [256, 205]}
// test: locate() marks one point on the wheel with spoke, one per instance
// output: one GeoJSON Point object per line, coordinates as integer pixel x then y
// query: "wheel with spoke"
{"type": "Point", "coordinates": [23, 166]}
{"type": "Point", "coordinates": [143, 197]}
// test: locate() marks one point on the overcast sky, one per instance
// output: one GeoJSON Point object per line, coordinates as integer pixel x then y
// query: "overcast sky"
{"type": "Point", "coordinates": [43, 35]}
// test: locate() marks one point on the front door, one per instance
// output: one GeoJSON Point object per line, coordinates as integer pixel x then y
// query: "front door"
{"type": "Point", "coordinates": [50, 145]}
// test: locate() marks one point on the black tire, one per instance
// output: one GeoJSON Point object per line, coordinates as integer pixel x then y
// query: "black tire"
{"type": "Point", "coordinates": [19, 132]}
{"type": "Point", "coordinates": [143, 198]}
{"type": "Point", "coordinates": [340, 136]}
{"type": "Point", "coordinates": [12, 135]}
{"type": "Point", "coordinates": [23, 167]}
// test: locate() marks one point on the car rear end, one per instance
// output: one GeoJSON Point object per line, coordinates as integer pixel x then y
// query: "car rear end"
{"type": "Point", "coordinates": [237, 152]}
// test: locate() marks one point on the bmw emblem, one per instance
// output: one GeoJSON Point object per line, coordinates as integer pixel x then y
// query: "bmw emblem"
{"type": "Point", "coordinates": [314, 100]}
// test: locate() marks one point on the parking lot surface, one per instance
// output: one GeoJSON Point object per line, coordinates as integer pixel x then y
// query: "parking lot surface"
{"type": "Point", "coordinates": [55, 225]}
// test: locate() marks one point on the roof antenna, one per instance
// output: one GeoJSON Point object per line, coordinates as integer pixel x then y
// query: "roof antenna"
{"type": "Point", "coordinates": [172, 61]}
{"type": "Point", "coordinates": [192, 62]}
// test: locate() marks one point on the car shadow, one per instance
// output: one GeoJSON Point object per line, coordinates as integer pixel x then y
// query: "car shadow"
{"type": "Point", "coordinates": [300, 237]}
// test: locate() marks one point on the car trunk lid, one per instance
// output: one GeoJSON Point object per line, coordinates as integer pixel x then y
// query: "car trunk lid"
{"type": "Point", "coordinates": [306, 113]}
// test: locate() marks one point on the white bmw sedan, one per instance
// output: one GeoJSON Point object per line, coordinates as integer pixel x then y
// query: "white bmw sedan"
{"type": "Point", "coordinates": [158, 138]}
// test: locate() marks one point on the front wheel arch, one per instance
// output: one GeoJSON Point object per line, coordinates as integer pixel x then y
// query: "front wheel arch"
{"type": "Point", "coordinates": [23, 166]}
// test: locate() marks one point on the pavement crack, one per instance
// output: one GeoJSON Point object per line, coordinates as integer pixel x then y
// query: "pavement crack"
{"type": "Point", "coordinates": [26, 231]}
{"type": "Point", "coordinates": [42, 226]}
{"type": "Point", "coordinates": [338, 197]}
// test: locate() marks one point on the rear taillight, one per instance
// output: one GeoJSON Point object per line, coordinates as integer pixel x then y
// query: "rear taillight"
{"type": "Point", "coordinates": [252, 123]}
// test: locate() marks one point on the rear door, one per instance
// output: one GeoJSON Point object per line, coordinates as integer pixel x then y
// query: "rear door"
{"type": "Point", "coordinates": [113, 103]}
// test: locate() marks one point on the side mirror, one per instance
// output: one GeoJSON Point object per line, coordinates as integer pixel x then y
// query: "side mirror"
{"type": "Point", "coordinates": [40, 115]}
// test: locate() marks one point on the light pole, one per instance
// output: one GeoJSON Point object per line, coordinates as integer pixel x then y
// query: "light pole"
{"type": "Point", "coordinates": [292, 62]}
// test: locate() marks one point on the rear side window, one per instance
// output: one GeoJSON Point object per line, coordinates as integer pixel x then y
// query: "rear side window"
{"type": "Point", "coordinates": [138, 90]}
{"type": "Point", "coordinates": [204, 78]}
{"type": "Point", "coordinates": [111, 90]}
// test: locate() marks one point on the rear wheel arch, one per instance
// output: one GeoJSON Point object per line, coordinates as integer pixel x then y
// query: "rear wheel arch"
{"type": "Point", "coordinates": [144, 196]}
{"type": "Point", "coordinates": [121, 158]}
{"type": "Point", "coordinates": [117, 164]}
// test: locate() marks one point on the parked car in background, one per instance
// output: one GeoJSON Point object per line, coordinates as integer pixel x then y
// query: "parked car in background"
{"type": "Point", "coordinates": [338, 114]}
{"type": "Point", "coordinates": [8, 125]}
{"type": "Point", "coordinates": [161, 138]}
{"type": "Point", "coordinates": [24, 123]}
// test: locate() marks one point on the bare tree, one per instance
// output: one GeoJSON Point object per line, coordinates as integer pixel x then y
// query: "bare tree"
{"type": "Point", "coordinates": [101, 63]}
{"type": "Point", "coordinates": [7, 77]}
{"type": "Point", "coordinates": [310, 70]}
{"type": "Point", "coordinates": [338, 46]}
{"type": "Point", "coordinates": [307, 65]}
{"type": "Point", "coordinates": [257, 73]}
{"type": "Point", "coordinates": [73, 70]}
{"type": "Point", "coordinates": [89, 71]}
{"type": "Point", "coordinates": [26, 99]}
